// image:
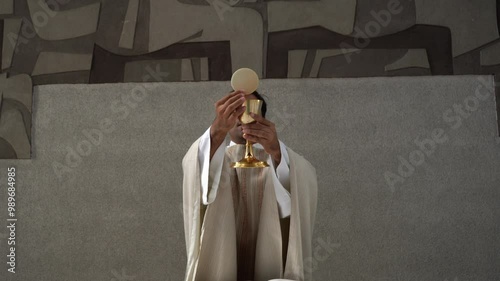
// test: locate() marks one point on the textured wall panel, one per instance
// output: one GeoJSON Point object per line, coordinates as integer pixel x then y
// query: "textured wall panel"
{"type": "Point", "coordinates": [53, 62]}
{"type": "Point", "coordinates": [6, 7]}
{"type": "Point", "coordinates": [334, 15]}
{"type": "Point", "coordinates": [12, 130]}
{"type": "Point", "coordinates": [435, 40]}
{"type": "Point", "coordinates": [109, 68]}
{"type": "Point", "coordinates": [135, 71]}
{"type": "Point", "coordinates": [129, 25]}
{"type": "Point", "coordinates": [60, 25]}
{"type": "Point", "coordinates": [296, 60]}
{"type": "Point", "coordinates": [321, 54]}
{"type": "Point", "coordinates": [382, 17]}
{"type": "Point", "coordinates": [242, 27]}
{"type": "Point", "coordinates": [17, 87]}
{"type": "Point", "coordinates": [472, 23]}
{"type": "Point", "coordinates": [10, 35]}
{"type": "Point", "coordinates": [413, 58]}
{"type": "Point", "coordinates": [117, 208]}
{"type": "Point", "coordinates": [490, 55]}
{"type": "Point", "coordinates": [186, 70]}
{"type": "Point", "coordinates": [204, 69]}
{"type": "Point", "coordinates": [111, 23]}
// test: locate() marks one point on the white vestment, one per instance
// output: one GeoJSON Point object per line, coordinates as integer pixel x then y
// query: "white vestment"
{"type": "Point", "coordinates": [211, 170]}
{"type": "Point", "coordinates": [239, 233]}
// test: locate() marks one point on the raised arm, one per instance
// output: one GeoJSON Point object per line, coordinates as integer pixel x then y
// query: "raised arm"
{"type": "Point", "coordinates": [212, 146]}
{"type": "Point", "coordinates": [227, 110]}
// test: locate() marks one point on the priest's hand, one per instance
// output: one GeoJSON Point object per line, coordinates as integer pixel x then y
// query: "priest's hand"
{"type": "Point", "coordinates": [263, 131]}
{"type": "Point", "coordinates": [227, 110]}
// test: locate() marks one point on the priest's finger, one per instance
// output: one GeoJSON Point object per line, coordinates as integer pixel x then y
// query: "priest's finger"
{"type": "Point", "coordinates": [221, 109]}
{"type": "Point", "coordinates": [237, 113]}
{"type": "Point", "coordinates": [258, 134]}
{"type": "Point", "coordinates": [238, 102]}
{"type": "Point", "coordinates": [227, 97]}
{"type": "Point", "coordinates": [232, 99]}
{"type": "Point", "coordinates": [255, 125]}
{"type": "Point", "coordinates": [269, 130]}
{"type": "Point", "coordinates": [251, 138]}
{"type": "Point", "coordinates": [261, 119]}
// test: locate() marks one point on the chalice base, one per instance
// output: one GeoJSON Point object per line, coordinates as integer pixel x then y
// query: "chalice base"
{"type": "Point", "coordinates": [249, 162]}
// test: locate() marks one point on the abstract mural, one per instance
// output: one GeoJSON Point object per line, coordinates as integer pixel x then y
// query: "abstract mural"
{"type": "Point", "coordinates": [114, 41]}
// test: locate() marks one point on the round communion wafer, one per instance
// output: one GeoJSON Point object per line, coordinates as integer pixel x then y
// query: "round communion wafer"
{"type": "Point", "coordinates": [245, 79]}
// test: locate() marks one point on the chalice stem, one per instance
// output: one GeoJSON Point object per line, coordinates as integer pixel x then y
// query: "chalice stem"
{"type": "Point", "coordinates": [248, 150]}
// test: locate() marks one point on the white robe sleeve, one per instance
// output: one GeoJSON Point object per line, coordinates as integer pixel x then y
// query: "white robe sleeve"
{"type": "Point", "coordinates": [210, 170]}
{"type": "Point", "coordinates": [281, 179]}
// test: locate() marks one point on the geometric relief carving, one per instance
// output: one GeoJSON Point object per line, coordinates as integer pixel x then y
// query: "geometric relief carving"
{"type": "Point", "coordinates": [129, 24]}
{"type": "Point", "coordinates": [15, 116]}
{"type": "Point", "coordinates": [214, 62]}
{"type": "Point", "coordinates": [6, 150]}
{"type": "Point", "coordinates": [136, 70]}
{"type": "Point", "coordinates": [12, 130]}
{"type": "Point", "coordinates": [18, 87]}
{"type": "Point", "coordinates": [59, 25]}
{"type": "Point", "coordinates": [195, 69]}
{"type": "Point", "coordinates": [472, 23]}
{"type": "Point", "coordinates": [366, 63]}
{"type": "Point", "coordinates": [296, 59]}
{"type": "Point", "coordinates": [186, 70]}
{"type": "Point", "coordinates": [54, 62]}
{"type": "Point", "coordinates": [434, 39]}
{"type": "Point", "coordinates": [413, 58]}
{"type": "Point", "coordinates": [73, 77]}
{"type": "Point", "coordinates": [204, 69]}
{"type": "Point", "coordinates": [242, 27]}
{"type": "Point", "coordinates": [490, 55]}
{"type": "Point", "coordinates": [11, 31]}
{"type": "Point", "coordinates": [334, 15]}
{"type": "Point", "coordinates": [321, 54]}
{"type": "Point", "coordinates": [6, 7]}
{"type": "Point", "coordinates": [123, 27]}
{"type": "Point", "coordinates": [392, 16]}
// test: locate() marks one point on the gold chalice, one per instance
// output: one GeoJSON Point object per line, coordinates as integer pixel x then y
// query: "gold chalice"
{"type": "Point", "coordinates": [249, 161]}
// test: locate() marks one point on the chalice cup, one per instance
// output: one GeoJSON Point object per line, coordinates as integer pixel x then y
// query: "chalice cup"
{"type": "Point", "coordinates": [249, 161]}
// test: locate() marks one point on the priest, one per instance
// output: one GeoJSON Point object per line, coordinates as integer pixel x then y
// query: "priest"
{"type": "Point", "coordinates": [246, 223]}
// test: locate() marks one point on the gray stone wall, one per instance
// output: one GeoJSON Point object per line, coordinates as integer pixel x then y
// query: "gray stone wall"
{"type": "Point", "coordinates": [408, 172]}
